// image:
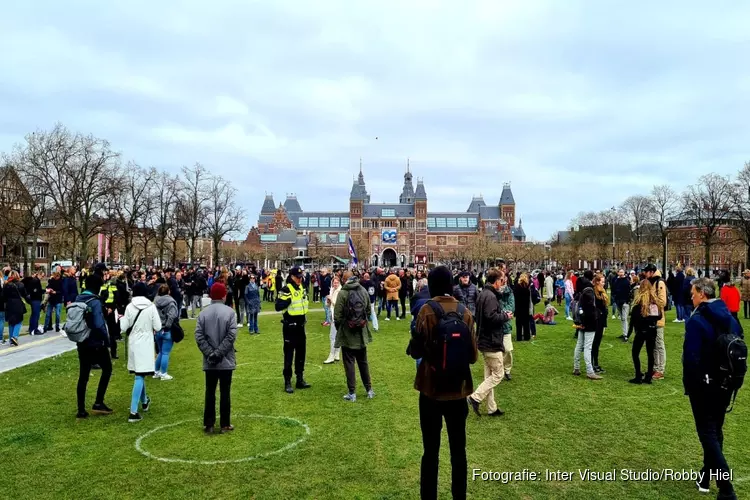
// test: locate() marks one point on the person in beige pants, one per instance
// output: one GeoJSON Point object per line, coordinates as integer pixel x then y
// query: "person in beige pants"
{"type": "Point", "coordinates": [660, 351]}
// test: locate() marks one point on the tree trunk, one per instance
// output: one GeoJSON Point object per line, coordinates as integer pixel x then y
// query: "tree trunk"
{"type": "Point", "coordinates": [747, 256]}
{"type": "Point", "coordinates": [216, 250]}
{"type": "Point", "coordinates": [128, 240]}
{"type": "Point", "coordinates": [664, 255]}
{"type": "Point", "coordinates": [708, 258]}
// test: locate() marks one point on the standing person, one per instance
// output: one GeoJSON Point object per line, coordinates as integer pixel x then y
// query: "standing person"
{"type": "Point", "coordinates": [643, 318]}
{"type": "Point", "coordinates": [559, 289]}
{"type": "Point", "coordinates": [14, 294]}
{"type": "Point", "coordinates": [392, 287]}
{"type": "Point", "coordinates": [602, 305]}
{"type": "Point", "coordinates": [334, 353]}
{"type": "Point", "coordinates": [54, 302]}
{"type": "Point", "coordinates": [252, 305]}
{"type": "Point", "coordinates": [200, 286]}
{"type": "Point", "coordinates": [351, 308]}
{"type": "Point", "coordinates": [111, 298]}
{"type": "Point", "coordinates": [215, 334]}
{"type": "Point", "coordinates": [292, 301]}
{"type": "Point", "coordinates": [278, 283]}
{"type": "Point", "coordinates": [730, 294]}
{"type": "Point", "coordinates": [569, 293]}
{"type": "Point", "coordinates": [315, 286]}
{"type": "Point", "coordinates": [442, 397]}
{"type": "Point", "coordinates": [369, 285]}
{"type": "Point", "coordinates": [586, 323]}
{"type": "Point", "coordinates": [34, 294]}
{"type": "Point", "coordinates": [240, 283]}
{"type": "Point", "coordinates": [522, 293]}
{"type": "Point", "coordinates": [745, 286]}
{"type": "Point", "coordinates": [549, 286]}
{"type": "Point", "coordinates": [687, 288]}
{"type": "Point", "coordinates": [325, 290]}
{"type": "Point", "coordinates": [403, 292]}
{"type": "Point", "coordinates": [466, 292]}
{"type": "Point", "coordinates": [660, 353]}
{"type": "Point", "coordinates": [490, 320]}
{"type": "Point", "coordinates": [94, 350]}
{"type": "Point", "coordinates": [677, 296]}
{"type": "Point", "coordinates": [166, 306]}
{"type": "Point", "coordinates": [703, 385]}
{"type": "Point", "coordinates": [189, 288]}
{"type": "Point", "coordinates": [141, 321]}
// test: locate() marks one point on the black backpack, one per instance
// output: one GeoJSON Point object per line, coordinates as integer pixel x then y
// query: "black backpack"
{"type": "Point", "coordinates": [451, 350]}
{"type": "Point", "coordinates": [730, 363]}
{"type": "Point", "coordinates": [356, 314]}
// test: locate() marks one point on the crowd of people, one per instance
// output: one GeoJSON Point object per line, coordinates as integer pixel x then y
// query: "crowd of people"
{"type": "Point", "coordinates": [455, 315]}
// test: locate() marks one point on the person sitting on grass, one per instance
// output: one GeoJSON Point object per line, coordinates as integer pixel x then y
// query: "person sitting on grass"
{"type": "Point", "coordinates": [215, 333]}
{"type": "Point", "coordinates": [644, 316]}
{"type": "Point", "coordinates": [140, 322]}
{"type": "Point", "coordinates": [548, 318]}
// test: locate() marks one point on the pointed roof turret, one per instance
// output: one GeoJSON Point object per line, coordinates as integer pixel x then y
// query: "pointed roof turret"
{"type": "Point", "coordinates": [506, 197]}
{"type": "Point", "coordinates": [407, 194]}
{"type": "Point", "coordinates": [420, 194]}
{"type": "Point", "coordinates": [476, 203]}
{"type": "Point", "coordinates": [269, 207]}
{"type": "Point", "coordinates": [359, 191]}
{"type": "Point", "coordinates": [291, 204]}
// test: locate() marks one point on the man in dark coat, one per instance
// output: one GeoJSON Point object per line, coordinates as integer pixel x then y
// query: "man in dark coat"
{"type": "Point", "coordinates": [466, 292]}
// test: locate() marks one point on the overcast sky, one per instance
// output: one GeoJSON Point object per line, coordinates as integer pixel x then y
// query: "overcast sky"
{"type": "Point", "coordinates": [577, 103]}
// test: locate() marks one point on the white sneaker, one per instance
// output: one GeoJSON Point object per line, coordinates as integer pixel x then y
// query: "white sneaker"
{"type": "Point", "coordinates": [166, 376]}
{"type": "Point", "coordinates": [328, 361]}
{"type": "Point", "coordinates": [569, 318]}
{"type": "Point", "coordinates": [62, 333]}
{"type": "Point", "coordinates": [701, 489]}
{"type": "Point", "coordinates": [676, 321]}
{"type": "Point", "coordinates": [387, 319]}
{"type": "Point", "coordinates": [614, 317]}
{"type": "Point", "coordinates": [239, 325]}
{"type": "Point", "coordinates": [398, 319]}
{"type": "Point", "coordinates": [157, 374]}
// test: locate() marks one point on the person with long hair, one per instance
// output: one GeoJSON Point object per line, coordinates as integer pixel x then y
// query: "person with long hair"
{"type": "Point", "coordinates": [54, 302]}
{"type": "Point", "coordinates": [14, 293]}
{"type": "Point", "coordinates": [252, 305]}
{"type": "Point", "coordinates": [522, 293]}
{"type": "Point", "coordinates": [569, 293]}
{"type": "Point", "coordinates": [334, 353]}
{"type": "Point", "coordinates": [644, 316]}
{"type": "Point", "coordinates": [169, 314]}
{"type": "Point", "coordinates": [602, 305]}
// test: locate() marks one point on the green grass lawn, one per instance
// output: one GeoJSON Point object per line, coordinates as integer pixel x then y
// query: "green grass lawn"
{"type": "Point", "coordinates": [369, 449]}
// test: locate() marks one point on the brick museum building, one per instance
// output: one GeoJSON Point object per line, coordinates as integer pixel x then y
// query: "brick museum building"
{"type": "Point", "coordinates": [404, 234]}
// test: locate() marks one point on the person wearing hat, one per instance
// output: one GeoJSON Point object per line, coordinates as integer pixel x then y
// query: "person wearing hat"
{"type": "Point", "coordinates": [215, 334]}
{"type": "Point", "coordinates": [292, 301]}
{"type": "Point", "coordinates": [660, 351]}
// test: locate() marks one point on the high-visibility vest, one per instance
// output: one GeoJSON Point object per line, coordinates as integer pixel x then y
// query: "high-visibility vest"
{"type": "Point", "coordinates": [111, 296]}
{"type": "Point", "coordinates": [298, 300]}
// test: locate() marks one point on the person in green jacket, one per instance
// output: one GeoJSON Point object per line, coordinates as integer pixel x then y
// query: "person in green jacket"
{"type": "Point", "coordinates": [353, 333]}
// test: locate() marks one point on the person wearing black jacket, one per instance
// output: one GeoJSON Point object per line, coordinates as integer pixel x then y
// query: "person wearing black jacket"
{"type": "Point", "coordinates": [35, 294]}
{"type": "Point", "coordinates": [490, 319]}
{"type": "Point", "coordinates": [403, 292]}
{"type": "Point", "coordinates": [586, 328]}
{"type": "Point", "coordinates": [522, 293]}
{"type": "Point", "coordinates": [644, 317]}
{"type": "Point", "coordinates": [241, 280]}
{"type": "Point", "coordinates": [54, 302]}
{"type": "Point", "coordinates": [14, 294]}
{"type": "Point", "coordinates": [602, 306]}
{"type": "Point", "coordinates": [200, 287]}
{"type": "Point", "coordinates": [466, 292]}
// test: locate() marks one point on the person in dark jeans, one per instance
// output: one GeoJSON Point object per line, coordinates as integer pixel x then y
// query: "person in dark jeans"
{"type": "Point", "coordinates": [404, 291]}
{"type": "Point", "coordinates": [94, 350]}
{"type": "Point", "coordinates": [215, 334]}
{"type": "Point", "coordinates": [643, 317]}
{"type": "Point", "coordinates": [522, 294]}
{"type": "Point", "coordinates": [602, 305]}
{"type": "Point", "coordinates": [708, 400]}
{"type": "Point", "coordinates": [35, 293]}
{"type": "Point", "coordinates": [436, 404]}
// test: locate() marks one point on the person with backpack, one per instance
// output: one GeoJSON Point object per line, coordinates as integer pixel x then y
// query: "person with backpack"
{"type": "Point", "coordinates": [14, 295]}
{"type": "Point", "coordinates": [714, 361]}
{"type": "Point", "coordinates": [335, 352]}
{"type": "Point", "coordinates": [85, 325]}
{"type": "Point", "coordinates": [351, 309]}
{"type": "Point", "coordinates": [446, 343]}
{"type": "Point", "coordinates": [490, 319]}
{"type": "Point", "coordinates": [586, 321]}
{"type": "Point", "coordinates": [140, 323]}
{"type": "Point", "coordinates": [660, 351]}
{"type": "Point", "coordinates": [602, 305]}
{"type": "Point", "coordinates": [644, 316]}
{"type": "Point", "coordinates": [166, 306]}
{"type": "Point", "coordinates": [252, 305]}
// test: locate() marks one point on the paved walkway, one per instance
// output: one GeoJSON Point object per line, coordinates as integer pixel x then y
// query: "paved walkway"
{"type": "Point", "coordinates": [38, 347]}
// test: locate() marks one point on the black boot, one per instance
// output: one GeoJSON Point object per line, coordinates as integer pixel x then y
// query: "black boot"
{"type": "Point", "coordinates": [301, 384]}
{"type": "Point", "coordinates": [288, 387]}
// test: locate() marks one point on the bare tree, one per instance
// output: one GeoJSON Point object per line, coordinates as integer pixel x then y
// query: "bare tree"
{"type": "Point", "coordinates": [708, 204]}
{"type": "Point", "coordinates": [741, 209]}
{"type": "Point", "coordinates": [76, 171]}
{"type": "Point", "coordinates": [130, 204]}
{"type": "Point", "coordinates": [664, 208]}
{"type": "Point", "coordinates": [636, 210]}
{"type": "Point", "coordinates": [192, 204]}
{"type": "Point", "coordinates": [162, 217]}
{"type": "Point", "coordinates": [222, 215]}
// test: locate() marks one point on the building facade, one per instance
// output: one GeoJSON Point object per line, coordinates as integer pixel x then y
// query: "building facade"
{"type": "Point", "coordinates": [402, 234]}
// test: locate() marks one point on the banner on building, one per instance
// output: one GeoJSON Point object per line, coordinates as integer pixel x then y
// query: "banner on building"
{"type": "Point", "coordinates": [389, 236]}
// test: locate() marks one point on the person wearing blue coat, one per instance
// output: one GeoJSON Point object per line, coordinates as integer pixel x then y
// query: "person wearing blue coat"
{"type": "Point", "coordinates": [678, 295]}
{"type": "Point", "coordinates": [687, 284]}
{"type": "Point", "coordinates": [252, 305]}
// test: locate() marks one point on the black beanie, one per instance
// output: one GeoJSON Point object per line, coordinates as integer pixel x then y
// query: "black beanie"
{"type": "Point", "coordinates": [94, 283]}
{"type": "Point", "coordinates": [440, 282]}
{"type": "Point", "coordinates": [140, 290]}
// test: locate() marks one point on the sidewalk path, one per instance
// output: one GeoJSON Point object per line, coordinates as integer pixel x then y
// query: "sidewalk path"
{"type": "Point", "coordinates": [39, 347]}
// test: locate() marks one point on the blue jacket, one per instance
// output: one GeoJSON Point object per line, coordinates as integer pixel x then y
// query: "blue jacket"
{"type": "Point", "coordinates": [621, 290]}
{"type": "Point", "coordinates": [69, 289]}
{"type": "Point", "coordinates": [98, 336]}
{"type": "Point", "coordinates": [686, 286]}
{"type": "Point", "coordinates": [420, 299]}
{"type": "Point", "coordinates": [701, 330]}
{"type": "Point", "coordinates": [678, 296]}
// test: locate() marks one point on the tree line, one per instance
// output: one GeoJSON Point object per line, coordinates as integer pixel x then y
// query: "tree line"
{"type": "Point", "coordinates": [82, 184]}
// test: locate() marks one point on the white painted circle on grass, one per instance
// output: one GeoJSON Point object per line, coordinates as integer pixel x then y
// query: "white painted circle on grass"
{"type": "Point", "coordinates": [148, 454]}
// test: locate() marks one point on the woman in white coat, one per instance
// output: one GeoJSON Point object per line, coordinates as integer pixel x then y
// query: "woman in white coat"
{"type": "Point", "coordinates": [334, 354]}
{"type": "Point", "coordinates": [141, 315]}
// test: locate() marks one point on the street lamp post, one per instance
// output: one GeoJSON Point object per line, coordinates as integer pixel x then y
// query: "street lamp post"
{"type": "Point", "coordinates": [613, 236]}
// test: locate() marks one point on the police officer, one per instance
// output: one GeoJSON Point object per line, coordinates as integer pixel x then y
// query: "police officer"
{"type": "Point", "coordinates": [110, 295]}
{"type": "Point", "coordinates": [292, 300]}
